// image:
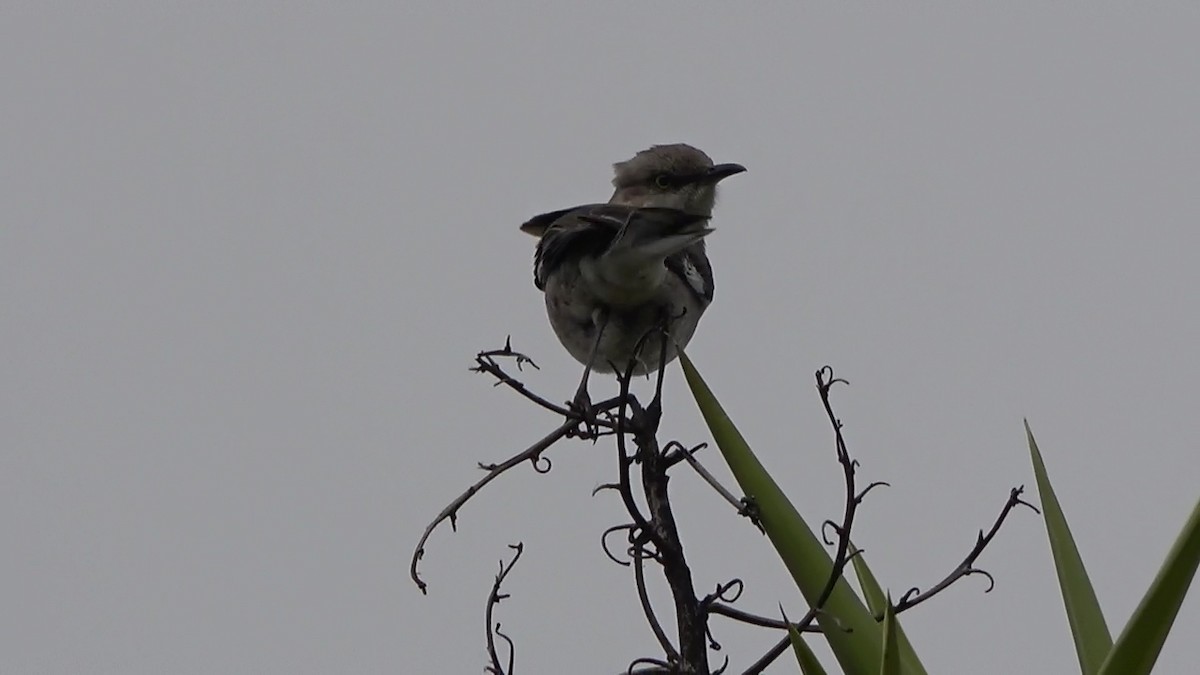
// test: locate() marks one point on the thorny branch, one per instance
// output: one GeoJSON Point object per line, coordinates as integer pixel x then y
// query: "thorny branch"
{"type": "Point", "coordinates": [486, 363]}
{"type": "Point", "coordinates": [842, 555]}
{"type": "Point", "coordinates": [651, 533]}
{"type": "Point", "coordinates": [493, 629]}
{"type": "Point", "coordinates": [532, 454]}
{"type": "Point", "coordinates": [658, 528]}
{"type": "Point", "coordinates": [845, 551]}
{"type": "Point", "coordinates": [914, 596]}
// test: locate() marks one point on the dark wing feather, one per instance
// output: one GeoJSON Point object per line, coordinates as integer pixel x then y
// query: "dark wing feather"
{"type": "Point", "coordinates": [570, 234]}
{"type": "Point", "coordinates": [538, 224]}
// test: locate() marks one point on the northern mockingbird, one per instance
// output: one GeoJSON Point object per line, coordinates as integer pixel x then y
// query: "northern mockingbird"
{"type": "Point", "coordinates": [614, 272]}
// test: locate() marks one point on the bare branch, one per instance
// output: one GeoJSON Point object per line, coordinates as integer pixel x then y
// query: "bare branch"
{"type": "Point", "coordinates": [493, 629]}
{"type": "Point", "coordinates": [657, 667]}
{"type": "Point", "coordinates": [651, 531]}
{"type": "Point", "coordinates": [644, 597]}
{"type": "Point", "coordinates": [842, 555]}
{"type": "Point", "coordinates": [689, 457]}
{"type": "Point", "coordinates": [485, 362]}
{"type": "Point", "coordinates": [531, 454]}
{"type": "Point", "coordinates": [746, 617]}
{"type": "Point", "coordinates": [914, 596]}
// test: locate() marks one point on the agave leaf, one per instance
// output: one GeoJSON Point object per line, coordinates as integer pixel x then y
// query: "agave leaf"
{"type": "Point", "coordinates": [1092, 639]}
{"type": "Point", "coordinates": [809, 665]}
{"type": "Point", "coordinates": [871, 590]}
{"type": "Point", "coordinates": [878, 602]}
{"type": "Point", "coordinates": [891, 651]}
{"type": "Point", "coordinates": [852, 632]}
{"type": "Point", "coordinates": [1138, 647]}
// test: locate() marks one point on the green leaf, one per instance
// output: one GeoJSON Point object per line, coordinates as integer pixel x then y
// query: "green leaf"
{"type": "Point", "coordinates": [891, 651]}
{"type": "Point", "coordinates": [1092, 639]}
{"type": "Point", "coordinates": [809, 665]}
{"type": "Point", "coordinates": [871, 590]}
{"type": "Point", "coordinates": [853, 635]}
{"type": "Point", "coordinates": [877, 602]}
{"type": "Point", "coordinates": [1137, 649]}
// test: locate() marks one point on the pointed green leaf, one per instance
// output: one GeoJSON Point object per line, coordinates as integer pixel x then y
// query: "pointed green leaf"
{"type": "Point", "coordinates": [1137, 648]}
{"type": "Point", "coordinates": [1092, 639]}
{"type": "Point", "coordinates": [891, 651]}
{"type": "Point", "coordinates": [809, 665]}
{"type": "Point", "coordinates": [871, 590]}
{"type": "Point", "coordinates": [853, 635]}
{"type": "Point", "coordinates": [877, 602]}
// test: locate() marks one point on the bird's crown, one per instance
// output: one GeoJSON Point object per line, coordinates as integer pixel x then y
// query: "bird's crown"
{"type": "Point", "coordinates": [677, 159]}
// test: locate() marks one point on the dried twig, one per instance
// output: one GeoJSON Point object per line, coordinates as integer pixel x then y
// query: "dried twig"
{"type": "Point", "coordinates": [532, 454]}
{"type": "Point", "coordinates": [493, 629]}
{"type": "Point", "coordinates": [842, 555]}
{"type": "Point", "coordinates": [652, 534]}
{"type": "Point", "coordinates": [914, 596]}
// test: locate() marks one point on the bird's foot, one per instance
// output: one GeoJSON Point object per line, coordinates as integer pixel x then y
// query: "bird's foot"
{"type": "Point", "coordinates": [582, 409]}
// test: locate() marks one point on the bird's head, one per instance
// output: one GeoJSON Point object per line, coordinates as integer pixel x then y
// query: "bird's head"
{"type": "Point", "coordinates": [676, 176]}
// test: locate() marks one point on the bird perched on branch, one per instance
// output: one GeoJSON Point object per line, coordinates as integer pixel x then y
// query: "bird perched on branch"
{"type": "Point", "coordinates": [614, 272]}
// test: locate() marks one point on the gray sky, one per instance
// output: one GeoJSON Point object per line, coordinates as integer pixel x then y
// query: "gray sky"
{"type": "Point", "coordinates": [248, 253]}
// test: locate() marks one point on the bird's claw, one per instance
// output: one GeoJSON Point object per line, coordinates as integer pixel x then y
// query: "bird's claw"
{"type": "Point", "coordinates": [582, 409]}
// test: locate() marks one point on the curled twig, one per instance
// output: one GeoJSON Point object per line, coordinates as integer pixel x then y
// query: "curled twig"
{"type": "Point", "coordinates": [657, 667]}
{"type": "Point", "coordinates": [914, 596]}
{"type": "Point", "coordinates": [863, 493]}
{"type": "Point", "coordinates": [532, 453]}
{"type": "Point", "coordinates": [673, 452]}
{"type": "Point", "coordinates": [842, 556]}
{"type": "Point", "coordinates": [829, 524]}
{"type": "Point", "coordinates": [493, 629]}
{"type": "Point", "coordinates": [630, 528]}
{"type": "Point", "coordinates": [729, 591]}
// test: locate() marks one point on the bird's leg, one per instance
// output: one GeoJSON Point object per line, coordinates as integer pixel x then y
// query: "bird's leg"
{"type": "Point", "coordinates": [582, 401]}
{"type": "Point", "coordinates": [654, 410]}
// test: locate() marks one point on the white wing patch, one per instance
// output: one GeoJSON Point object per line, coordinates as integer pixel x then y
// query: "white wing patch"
{"type": "Point", "coordinates": [693, 277]}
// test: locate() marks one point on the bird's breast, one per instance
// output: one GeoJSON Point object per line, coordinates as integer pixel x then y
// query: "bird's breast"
{"type": "Point", "coordinates": [619, 285]}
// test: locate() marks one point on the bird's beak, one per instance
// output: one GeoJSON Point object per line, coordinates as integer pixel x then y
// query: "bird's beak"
{"type": "Point", "coordinates": [721, 172]}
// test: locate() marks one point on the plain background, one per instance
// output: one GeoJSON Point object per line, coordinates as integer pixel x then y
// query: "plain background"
{"type": "Point", "coordinates": [248, 251]}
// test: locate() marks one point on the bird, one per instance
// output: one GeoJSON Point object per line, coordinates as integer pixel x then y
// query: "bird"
{"type": "Point", "coordinates": [612, 273]}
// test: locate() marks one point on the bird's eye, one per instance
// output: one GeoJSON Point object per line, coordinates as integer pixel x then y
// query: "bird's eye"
{"type": "Point", "coordinates": [662, 181]}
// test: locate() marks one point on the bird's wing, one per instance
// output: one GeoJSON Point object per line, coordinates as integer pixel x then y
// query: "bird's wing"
{"type": "Point", "coordinates": [651, 232]}
{"type": "Point", "coordinates": [538, 224]}
{"type": "Point", "coordinates": [675, 238]}
{"type": "Point", "coordinates": [623, 232]}
{"type": "Point", "coordinates": [567, 235]}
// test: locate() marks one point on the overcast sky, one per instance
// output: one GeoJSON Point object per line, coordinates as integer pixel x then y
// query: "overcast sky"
{"type": "Point", "coordinates": [248, 251]}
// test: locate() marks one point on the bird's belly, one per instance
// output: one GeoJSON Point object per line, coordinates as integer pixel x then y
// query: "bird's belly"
{"type": "Point", "coordinates": [573, 311]}
{"type": "Point", "coordinates": [626, 288]}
